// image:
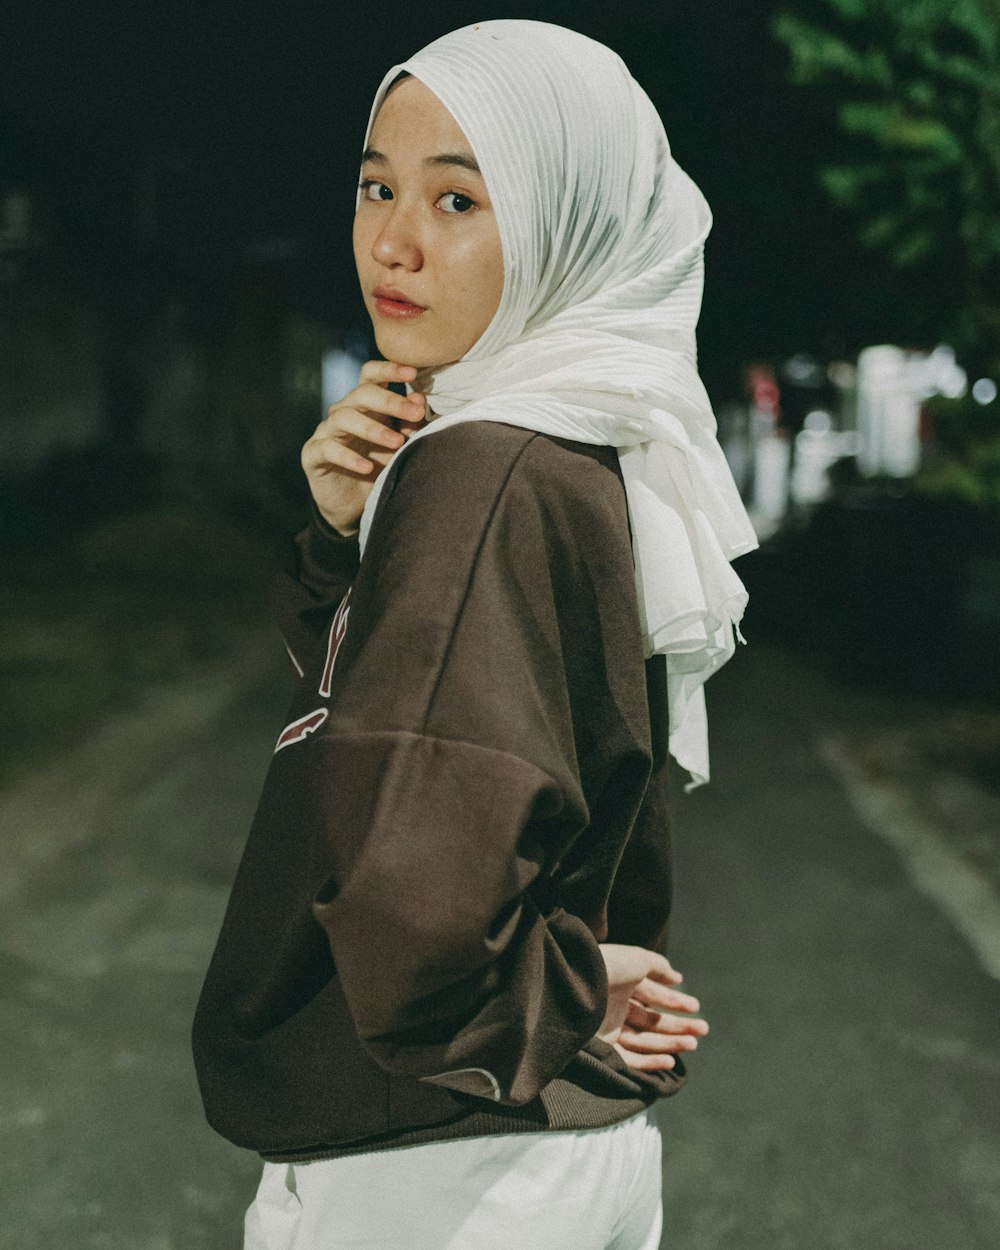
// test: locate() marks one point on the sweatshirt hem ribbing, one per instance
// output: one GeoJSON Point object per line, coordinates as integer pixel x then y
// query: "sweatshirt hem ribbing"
{"type": "Point", "coordinates": [572, 1114]}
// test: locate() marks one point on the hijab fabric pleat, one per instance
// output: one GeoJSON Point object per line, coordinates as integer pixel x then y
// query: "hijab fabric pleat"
{"type": "Point", "coordinates": [603, 245]}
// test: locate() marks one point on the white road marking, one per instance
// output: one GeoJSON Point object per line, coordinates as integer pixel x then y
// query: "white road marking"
{"type": "Point", "coordinates": [939, 872]}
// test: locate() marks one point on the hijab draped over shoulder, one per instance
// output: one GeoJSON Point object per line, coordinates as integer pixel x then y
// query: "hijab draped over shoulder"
{"type": "Point", "coordinates": [603, 241]}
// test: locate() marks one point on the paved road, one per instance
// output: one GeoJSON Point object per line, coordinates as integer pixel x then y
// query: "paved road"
{"type": "Point", "coordinates": [847, 1099]}
{"type": "Point", "coordinates": [101, 1131]}
{"type": "Point", "coordinates": [849, 1095]}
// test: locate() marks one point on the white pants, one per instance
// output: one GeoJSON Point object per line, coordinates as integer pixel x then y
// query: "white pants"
{"type": "Point", "coordinates": [593, 1189]}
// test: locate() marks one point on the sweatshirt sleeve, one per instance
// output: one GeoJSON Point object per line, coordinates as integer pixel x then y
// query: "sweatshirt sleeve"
{"type": "Point", "coordinates": [309, 578]}
{"type": "Point", "coordinates": [450, 774]}
{"type": "Point", "coordinates": [640, 902]}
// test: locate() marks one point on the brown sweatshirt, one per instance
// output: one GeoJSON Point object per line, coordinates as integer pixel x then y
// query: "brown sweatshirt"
{"type": "Point", "coordinates": [468, 796]}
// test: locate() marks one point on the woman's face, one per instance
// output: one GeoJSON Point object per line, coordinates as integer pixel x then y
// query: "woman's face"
{"type": "Point", "coordinates": [426, 243]}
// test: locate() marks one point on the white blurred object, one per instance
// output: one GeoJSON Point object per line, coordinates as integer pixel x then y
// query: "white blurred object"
{"type": "Point", "coordinates": [818, 447]}
{"type": "Point", "coordinates": [340, 373]}
{"type": "Point", "coordinates": [842, 374]}
{"type": "Point", "coordinates": [984, 391]}
{"type": "Point", "coordinates": [803, 369]}
{"type": "Point", "coordinates": [769, 498]}
{"type": "Point", "coordinates": [940, 374]}
{"type": "Point", "coordinates": [892, 383]}
{"type": "Point", "coordinates": [818, 421]}
{"type": "Point", "coordinates": [734, 438]}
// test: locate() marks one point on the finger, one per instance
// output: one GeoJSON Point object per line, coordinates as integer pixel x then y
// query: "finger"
{"type": "Point", "coordinates": [643, 1019]}
{"type": "Point", "coordinates": [641, 1016]}
{"type": "Point", "coordinates": [652, 994]}
{"type": "Point", "coordinates": [657, 1043]}
{"type": "Point", "coordinates": [367, 429]}
{"type": "Point", "coordinates": [413, 418]}
{"type": "Point", "coordinates": [668, 1023]}
{"type": "Point", "coordinates": [414, 411]}
{"type": "Point", "coordinates": [695, 1026]}
{"type": "Point", "coordinates": [661, 969]}
{"type": "Point", "coordinates": [645, 1063]}
{"type": "Point", "coordinates": [381, 458]}
{"type": "Point", "coordinates": [378, 402]}
{"type": "Point", "coordinates": [377, 399]}
{"type": "Point", "coordinates": [380, 455]}
{"type": "Point", "coordinates": [330, 453]}
{"type": "Point", "coordinates": [384, 371]}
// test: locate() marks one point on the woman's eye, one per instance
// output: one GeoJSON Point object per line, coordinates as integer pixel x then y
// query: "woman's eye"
{"type": "Point", "coordinates": [372, 190]}
{"type": "Point", "coordinates": [462, 203]}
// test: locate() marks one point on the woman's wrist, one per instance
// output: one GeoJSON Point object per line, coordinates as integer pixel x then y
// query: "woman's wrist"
{"type": "Point", "coordinates": [329, 526]}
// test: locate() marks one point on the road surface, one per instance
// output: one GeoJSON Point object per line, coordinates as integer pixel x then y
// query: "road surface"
{"type": "Point", "coordinates": [848, 1097]}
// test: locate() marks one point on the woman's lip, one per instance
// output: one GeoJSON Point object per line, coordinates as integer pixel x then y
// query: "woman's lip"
{"type": "Point", "coordinates": [397, 309]}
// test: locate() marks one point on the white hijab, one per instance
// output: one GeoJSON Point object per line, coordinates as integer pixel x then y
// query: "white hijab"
{"type": "Point", "coordinates": [594, 339]}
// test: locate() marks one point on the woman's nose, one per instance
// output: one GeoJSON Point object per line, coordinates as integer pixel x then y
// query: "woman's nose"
{"type": "Point", "coordinates": [397, 243]}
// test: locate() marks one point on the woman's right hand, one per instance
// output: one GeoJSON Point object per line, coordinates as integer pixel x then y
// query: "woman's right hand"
{"type": "Point", "coordinates": [352, 446]}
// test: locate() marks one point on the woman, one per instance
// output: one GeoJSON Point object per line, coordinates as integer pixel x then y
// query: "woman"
{"type": "Point", "coordinates": [438, 1006]}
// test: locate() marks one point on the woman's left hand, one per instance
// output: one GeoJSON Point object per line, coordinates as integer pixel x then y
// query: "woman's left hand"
{"type": "Point", "coordinates": [641, 1021]}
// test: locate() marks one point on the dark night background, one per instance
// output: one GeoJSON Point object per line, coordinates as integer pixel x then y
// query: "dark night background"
{"type": "Point", "coordinates": [191, 141]}
{"type": "Point", "coordinates": [177, 184]}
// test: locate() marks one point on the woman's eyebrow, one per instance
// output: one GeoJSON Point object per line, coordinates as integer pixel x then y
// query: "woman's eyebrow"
{"type": "Point", "coordinates": [463, 159]}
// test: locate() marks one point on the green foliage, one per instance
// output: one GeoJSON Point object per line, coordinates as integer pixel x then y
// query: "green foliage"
{"type": "Point", "coordinates": [965, 465]}
{"type": "Point", "coordinates": [915, 91]}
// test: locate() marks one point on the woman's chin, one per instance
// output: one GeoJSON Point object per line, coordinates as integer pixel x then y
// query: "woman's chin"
{"type": "Point", "coordinates": [411, 345]}
{"type": "Point", "coordinates": [405, 349]}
